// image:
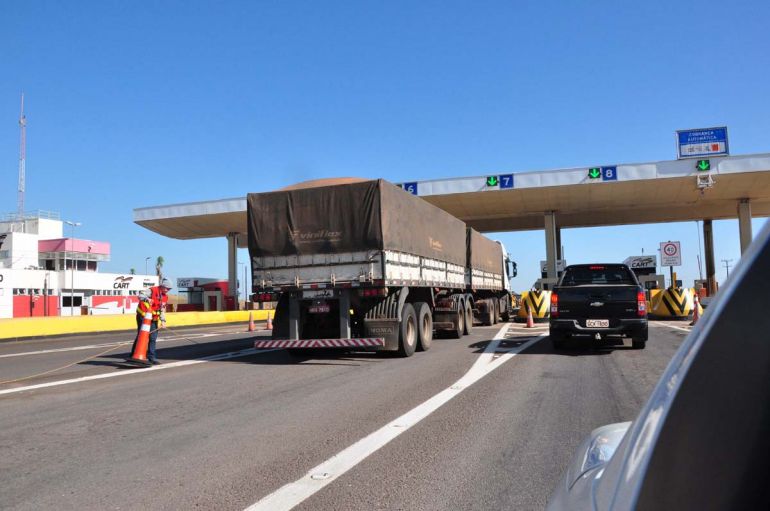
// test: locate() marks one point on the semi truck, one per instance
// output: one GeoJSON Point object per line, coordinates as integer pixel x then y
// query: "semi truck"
{"type": "Point", "coordinates": [365, 265]}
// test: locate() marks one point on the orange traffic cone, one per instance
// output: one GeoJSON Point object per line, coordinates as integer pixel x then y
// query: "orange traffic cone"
{"type": "Point", "coordinates": [139, 356]}
{"type": "Point", "coordinates": [269, 325]}
{"type": "Point", "coordinates": [530, 321]}
{"type": "Point", "coordinates": [251, 322]}
{"type": "Point", "coordinates": [695, 310]}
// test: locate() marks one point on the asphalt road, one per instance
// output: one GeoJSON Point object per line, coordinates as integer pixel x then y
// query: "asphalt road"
{"type": "Point", "coordinates": [214, 431]}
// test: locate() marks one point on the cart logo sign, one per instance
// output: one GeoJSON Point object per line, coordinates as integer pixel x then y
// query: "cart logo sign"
{"type": "Point", "coordinates": [122, 282]}
{"type": "Point", "coordinates": [641, 262]}
{"type": "Point", "coordinates": [670, 253]}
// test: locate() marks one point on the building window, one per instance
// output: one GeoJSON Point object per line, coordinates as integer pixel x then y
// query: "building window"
{"type": "Point", "coordinates": [66, 302]}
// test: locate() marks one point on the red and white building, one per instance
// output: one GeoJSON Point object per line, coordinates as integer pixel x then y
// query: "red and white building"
{"type": "Point", "coordinates": [43, 273]}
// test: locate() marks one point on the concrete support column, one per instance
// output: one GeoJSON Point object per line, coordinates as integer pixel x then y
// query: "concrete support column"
{"type": "Point", "coordinates": [708, 244]}
{"type": "Point", "coordinates": [551, 244]}
{"type": "Point", "coordinates": [744, 223]}
{"type": "Point", "coordinates": [232, 265]}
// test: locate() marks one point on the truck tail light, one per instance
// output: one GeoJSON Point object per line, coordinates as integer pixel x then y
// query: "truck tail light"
{"type": "Point", "coordinates": [554, 305]}
{"type": "Point", "coordinates": [641, 304]}
{"type": "Point", "coordinates": [264, 297]}
{"type": "Point", "coordinates": [373, 291]}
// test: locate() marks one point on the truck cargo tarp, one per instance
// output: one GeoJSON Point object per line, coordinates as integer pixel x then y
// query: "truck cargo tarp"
{"type": "Point", "coordinates": [483, 253]}
{"type": "Point", "coordinates": [369, 215]}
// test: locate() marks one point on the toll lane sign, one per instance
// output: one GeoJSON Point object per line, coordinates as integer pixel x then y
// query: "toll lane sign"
{"type": "Point", "coordinates": [606, 173]}
{"type": "Point", "coordinates": [670, 253]}
{"type": "Point", "coordinates": [702, 142]}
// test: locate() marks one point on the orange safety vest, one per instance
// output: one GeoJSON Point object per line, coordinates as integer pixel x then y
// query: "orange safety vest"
{"type": "Point", "coordinates": [156, 304]}
{"type": "Point", "coordinates": [142, 308]}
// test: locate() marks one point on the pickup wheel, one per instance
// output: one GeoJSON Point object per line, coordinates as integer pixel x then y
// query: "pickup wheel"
{"type": "Point", "coordinates": [459, 321]}
{"type": "Point", "coordinates": [424, 326]}
{"type": "Point", "coordinates": [638, 343]}
{"type": "Point", "coordinates": [558, 340]}
{"type": "Point", "coordinates": [468, 317]}
{"type": "Point", "coordinates": [407, 338]}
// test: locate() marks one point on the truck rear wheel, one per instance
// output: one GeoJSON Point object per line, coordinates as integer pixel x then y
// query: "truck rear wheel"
{"type": "Point", "coordinates": [468, 317]}
{"type": "Point", "coordinates": [459, 321]}
{"type": "Point", "coordinates": [488, 317]}
{"type": "Point", "coordinates": [407, 338]}
{"type": "Point", "coordinates": [505, 314]}
{"type": "Point", "coordinates": [424, 326]}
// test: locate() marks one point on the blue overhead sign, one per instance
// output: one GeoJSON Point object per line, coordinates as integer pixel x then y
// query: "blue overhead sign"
{"type": "Point", "coordinates": [702, 142]}
{"type": "Point", "coordinates": [506, 181]}
{"type": "Point", "coordinates": [609, 173]}
{"type": "Point", "coordinates": [410, 187]}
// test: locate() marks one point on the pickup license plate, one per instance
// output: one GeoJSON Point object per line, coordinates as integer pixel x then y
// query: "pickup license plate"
{"type": "Point", "coordinates": [319, 309]}
{"type": "Point", "coordinates": [597, 323]}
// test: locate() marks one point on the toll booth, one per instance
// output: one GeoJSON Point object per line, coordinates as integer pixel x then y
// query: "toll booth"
{"type": "Point", "coordinates": [544, 283]}
{"type": "Point", "coordinates": [204, 294]}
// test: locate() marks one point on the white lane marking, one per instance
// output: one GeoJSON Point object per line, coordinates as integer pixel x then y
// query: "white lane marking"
{"type": "Point", "coordinates": [109, 344]}
{"type": "Point", "coordinates": [688, 330]}
{"type": "Point", "coordinates": [128, 372]}
{"type": "Point", "coordinates": [318, 477]}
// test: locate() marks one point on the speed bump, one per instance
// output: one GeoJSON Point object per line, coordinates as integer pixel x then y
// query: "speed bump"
{"type": "Point", "coordinates": [672, 303]}
{"type": "Point", "coordinates": [539, 302]}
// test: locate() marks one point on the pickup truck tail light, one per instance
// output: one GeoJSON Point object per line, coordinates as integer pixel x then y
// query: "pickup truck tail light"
{"type": "Point", "coordinates": [554, 305]}
{"type": "Point", "coordinates": [641, 304]}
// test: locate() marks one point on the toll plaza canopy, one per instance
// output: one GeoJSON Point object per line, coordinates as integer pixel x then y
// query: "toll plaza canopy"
{"type": "Point", "coordinates": [665, 191]}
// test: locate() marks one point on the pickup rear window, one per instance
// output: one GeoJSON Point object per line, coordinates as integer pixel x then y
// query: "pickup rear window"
{"type": "Point", "coordinates": [597, 275]}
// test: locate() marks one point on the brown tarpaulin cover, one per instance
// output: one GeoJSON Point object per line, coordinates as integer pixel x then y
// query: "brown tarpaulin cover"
{"type": "Point", "coordinates": [370, 215]}
{"type": "Point", "coordinates": [483, 253]}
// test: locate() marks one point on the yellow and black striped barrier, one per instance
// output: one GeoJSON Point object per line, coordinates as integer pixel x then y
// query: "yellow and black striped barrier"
{"type": "Point", "coordinates": [539, 302]}
{"type": "Point", "coordinates": [672, 303]}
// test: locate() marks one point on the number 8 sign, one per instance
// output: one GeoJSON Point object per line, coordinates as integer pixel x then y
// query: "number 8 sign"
{"type": "Point", "coordinates": [609, 173]}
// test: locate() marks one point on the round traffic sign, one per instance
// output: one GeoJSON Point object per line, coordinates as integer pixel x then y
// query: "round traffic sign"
{"type": "Point", "coordinates": [669, 249]}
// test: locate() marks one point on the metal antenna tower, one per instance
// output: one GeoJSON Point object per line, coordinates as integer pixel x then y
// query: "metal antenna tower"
{"type": "Point", "coordinates": [22, 158]}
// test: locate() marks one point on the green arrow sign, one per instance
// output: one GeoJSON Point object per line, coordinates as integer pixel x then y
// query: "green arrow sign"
{"type": "Point", "coordinates": [492, 181]}
{"type": "Point", "coordinates": [703, 165]}
{"type": "Point", "coordinates": [595, 172]}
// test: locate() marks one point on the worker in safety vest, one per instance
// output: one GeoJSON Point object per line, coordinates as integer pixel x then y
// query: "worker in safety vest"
{"type": "Point", "coordinates": [153, 299]}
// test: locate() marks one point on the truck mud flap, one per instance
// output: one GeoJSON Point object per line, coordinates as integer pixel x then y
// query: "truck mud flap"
{"type": "Point", "coordinates": [382, 319]}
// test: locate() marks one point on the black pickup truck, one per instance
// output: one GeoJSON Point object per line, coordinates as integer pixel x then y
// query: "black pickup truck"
{"type": "Point", "coordinates": [598, 300]}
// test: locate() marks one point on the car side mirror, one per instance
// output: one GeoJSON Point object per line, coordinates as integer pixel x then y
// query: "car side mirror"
{"type": "Point", "coordinates": [512, 269]}
{"type": "Point", "coordinates": [596, 450]}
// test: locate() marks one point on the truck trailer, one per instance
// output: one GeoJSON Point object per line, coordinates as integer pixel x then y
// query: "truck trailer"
{"type": "Point", "coordinates": [367, 266]}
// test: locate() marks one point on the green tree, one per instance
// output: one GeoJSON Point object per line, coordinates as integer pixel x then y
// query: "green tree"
{"type": "Point", "coordinates": [159, 267]}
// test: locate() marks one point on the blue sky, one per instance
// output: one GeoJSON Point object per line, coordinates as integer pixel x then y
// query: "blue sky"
{"type": "Point", "coordinates": [133, 106]}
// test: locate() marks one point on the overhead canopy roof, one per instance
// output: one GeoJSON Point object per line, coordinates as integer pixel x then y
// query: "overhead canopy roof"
{"type": "Point", "coordinates": [642, 193]}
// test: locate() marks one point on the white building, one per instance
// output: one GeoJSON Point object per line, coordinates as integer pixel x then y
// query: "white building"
{"type": "Point", "coordinates": [43, 273]}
